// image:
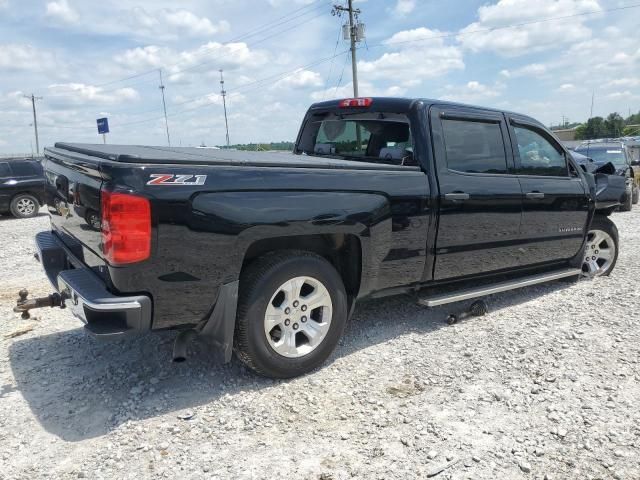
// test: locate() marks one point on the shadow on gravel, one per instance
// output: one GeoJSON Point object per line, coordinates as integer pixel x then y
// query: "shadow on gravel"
{"type": "Point", "coordinates": [79, 387]}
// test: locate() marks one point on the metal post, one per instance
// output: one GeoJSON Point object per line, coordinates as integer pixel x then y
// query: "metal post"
{"type": "Point", "coordinates": [224, 104]}
{"type": "Point", "coordinates": [104, 138]}
{"type": "Point", "coordinates": [164, 107]}
{"type": "Point", "coordinates": [35, 119]}
{"type": "Point", "coordinates": [354, 62]}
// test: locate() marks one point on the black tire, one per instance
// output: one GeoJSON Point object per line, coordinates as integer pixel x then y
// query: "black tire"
{"type": "Point", "coordinates": [636, 195]}
{"type": "Point", "coordinates": [24, 205]}
{"type": "Point", "coordinates": [627, 203]}
{"type": "Point", "coordinates": [604, 224]}
{"type": "Point", "coordinates": [259, 282]}
{"type": "Point", "coordinates": [93, 219]}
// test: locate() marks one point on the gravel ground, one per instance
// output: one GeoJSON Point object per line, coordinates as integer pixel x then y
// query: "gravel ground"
{"type": "Point", "coordinates": [545, 386]}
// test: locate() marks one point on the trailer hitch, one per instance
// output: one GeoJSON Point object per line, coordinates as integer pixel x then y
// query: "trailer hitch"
{"type": "Point", "coordinates": [23, 305]}
{"type": "Point", "coordinates": [478, 308]}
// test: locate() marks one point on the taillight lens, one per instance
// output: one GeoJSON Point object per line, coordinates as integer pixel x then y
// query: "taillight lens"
{"type": "Point", "coordinates": [126, 227]}
{"type": "Point", "coordinates": [355, 102]}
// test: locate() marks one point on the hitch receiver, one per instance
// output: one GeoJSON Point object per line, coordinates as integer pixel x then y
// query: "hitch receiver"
{"type": "Point", "coordinates": [23, 305]}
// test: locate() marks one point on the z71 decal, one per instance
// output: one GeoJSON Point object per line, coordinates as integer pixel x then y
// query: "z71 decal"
{"type": "Point", "coordinates": [169, 179]}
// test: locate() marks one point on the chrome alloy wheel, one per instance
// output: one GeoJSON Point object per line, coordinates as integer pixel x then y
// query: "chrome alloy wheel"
{"type": "Point", "coordinates": [26, 206]}
{"type": "Point", "coordinates": [599, 253]}
{"type": "Point", "coordinates": [298, 317]}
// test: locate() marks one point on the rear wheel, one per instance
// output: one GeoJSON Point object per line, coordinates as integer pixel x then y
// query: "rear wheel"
{"type": "Point", "coordinates": [24, 206]}
{"type": "Point", "coordinates": [636, 194]}
{"type": "Point", "coordinates": [291, 313]}
{"type": "Point", "coordinates": [601, 249]}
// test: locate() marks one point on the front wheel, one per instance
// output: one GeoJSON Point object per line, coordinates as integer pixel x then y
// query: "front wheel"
{"type": "Point", "coordinates": [601, 248]}
{"type": "Point", "coordinates": [291, 313]}
{"type": "Point", "coordinates": [636, 194]}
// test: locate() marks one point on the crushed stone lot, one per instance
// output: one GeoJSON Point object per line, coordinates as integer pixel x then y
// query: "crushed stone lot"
{"type": "Point", "coordinates": [547, 385]}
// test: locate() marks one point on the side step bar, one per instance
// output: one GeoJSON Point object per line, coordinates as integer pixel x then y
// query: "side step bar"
{"type": "Point", "coordinates": [461, 295]}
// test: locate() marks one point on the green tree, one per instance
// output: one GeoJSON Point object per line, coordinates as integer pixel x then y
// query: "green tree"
{"type": "Point", "coordinates": [633, 119]}
{"type": "Point", "coordinates": [581, 131]}
{"type": "Point", "coordinates": [630, 131]}
{"type": "Point", "coordinates": [594, 128]}
{"type": "Point", "coordinates": [614, 124]}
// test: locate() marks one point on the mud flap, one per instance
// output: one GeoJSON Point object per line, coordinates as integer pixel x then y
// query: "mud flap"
{"type": "Point", "coordinates": [218, 329]}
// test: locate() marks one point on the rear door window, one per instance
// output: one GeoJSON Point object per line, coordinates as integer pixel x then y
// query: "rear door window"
{"type": "Point", "coordinates": [24, 169]}
{"type": "Point", "coordinates": [4, 170]}
{"type": "Point", "coordinates": [474, 146]}
{"type": "Point", "coordinates": [538, 156]}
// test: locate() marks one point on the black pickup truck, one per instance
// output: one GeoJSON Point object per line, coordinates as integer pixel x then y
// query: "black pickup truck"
{"type": "Point", "coordinates": [266, 254]}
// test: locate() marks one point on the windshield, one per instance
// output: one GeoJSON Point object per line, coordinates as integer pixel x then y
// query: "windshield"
{"type": "Point", "coordinates": [614, 155]}
{"type": "Point", "coordinates": [382, 140]}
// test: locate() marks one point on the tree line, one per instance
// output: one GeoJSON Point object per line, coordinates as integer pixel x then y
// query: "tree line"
{"type": "Point", "coordinates": [613, 126]}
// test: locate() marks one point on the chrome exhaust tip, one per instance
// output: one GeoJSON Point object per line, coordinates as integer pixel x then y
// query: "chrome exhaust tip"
{"type": "Point", "coordinates": [181, 345]}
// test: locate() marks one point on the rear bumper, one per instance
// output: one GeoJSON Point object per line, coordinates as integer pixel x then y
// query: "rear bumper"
{"type": "Point", "coordinates": [103, 313]}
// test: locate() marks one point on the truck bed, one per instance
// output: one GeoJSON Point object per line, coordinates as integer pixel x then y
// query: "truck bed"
{"type": "Point", "coordinates": [205, 156]}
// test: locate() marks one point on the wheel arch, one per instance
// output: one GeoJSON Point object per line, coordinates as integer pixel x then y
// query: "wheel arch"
{"type": "Point", "coordinates": [342, 250]}
{"type": "Point", "coordinates": [38, 198]}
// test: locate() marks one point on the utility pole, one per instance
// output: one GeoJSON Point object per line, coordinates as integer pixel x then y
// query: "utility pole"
{"type": "Point", "coordinates": [593, 95]}
{"type": "Point", "coordinates": [224, 104]}
{"type": "Point", "coordinates": [35, 119]}
{"type": "Point", "coordinates": [354, 32]}
{"type": "Point", "coordinates": [164, 107]}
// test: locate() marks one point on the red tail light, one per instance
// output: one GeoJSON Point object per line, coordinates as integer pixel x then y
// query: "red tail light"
{"type": "Point", "coordinates": [355, 102]}
{"type": "Point", "coordinates": [126, 227]}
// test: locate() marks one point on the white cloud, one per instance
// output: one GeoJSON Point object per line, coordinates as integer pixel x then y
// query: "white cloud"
{"type": "Point", "coordinates": [489, 34]}
{"type": "Point", "coordinates": [472, 92]}
{"type": "Point", "coordinates": [4, 3]}
{"type": "Point", "coordinates": [624, 95]}
{"type": "Point", "coordinates": [421, 53]}
{"type": "Point", "coordinates": [170, 23]}
{"type": "Point", "coordinates": [365, 89]}
{"type": "Point", "coordinates": [184, 66]}
{"type": "Point", "coordinates": [62, 11]}
{"type": "Point", "coordinates": [15, 56]}
{"type": "Point", "coordinates": [567, 87]}
{"type": "Point", "coordinates": [624, 82]}
{"type": "Point", "coordinates": [80, 94]}
{"type": "Point", "coordinates": [531, 70]}
{"type": "Point", "coordinates": [404, 7]}
{"type": "Point", "coordinates": [300, 79]}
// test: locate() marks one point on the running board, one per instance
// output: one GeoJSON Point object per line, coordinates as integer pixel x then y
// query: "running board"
{"type": "Point", "coordinates": [497, 287]}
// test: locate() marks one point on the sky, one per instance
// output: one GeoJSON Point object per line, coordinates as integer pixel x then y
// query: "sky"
{"type": "Point", "coordinates": [90, 59]}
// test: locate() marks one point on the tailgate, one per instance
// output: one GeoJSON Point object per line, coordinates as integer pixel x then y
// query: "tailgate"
{"type": "Point", "coordinates": [72, 193]}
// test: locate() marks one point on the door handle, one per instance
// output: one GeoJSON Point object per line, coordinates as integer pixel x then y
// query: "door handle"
{"type": "Point", "coordinates": [535, 195]}
{"type": "Point", "coordinates": [456, 196]}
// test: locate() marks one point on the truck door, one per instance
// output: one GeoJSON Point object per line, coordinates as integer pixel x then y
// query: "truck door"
{"type": "Point", "coordinates": [480, 197]}
{"type": "Point", "coordinates": [555, 202]}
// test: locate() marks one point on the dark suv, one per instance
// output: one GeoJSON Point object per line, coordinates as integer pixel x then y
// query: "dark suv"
{"type": "Point", "coordinates": [613, 151]}
{"type": "Point", "coordinates": [21, 187]}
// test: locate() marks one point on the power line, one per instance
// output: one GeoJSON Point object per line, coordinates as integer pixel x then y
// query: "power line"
{"type": "Point", "coordinates": [513, 25]}
{"type": "Point", "coordinates": [335, 49]}
{"type": "Point", "coordinates": [230, 52]}
{"type": "Point", "coordinates": [265, 27]}
{"type": "Point", "coordinates": [255, 84]}
{"type": "Point", "coordinates": [344, 67]}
